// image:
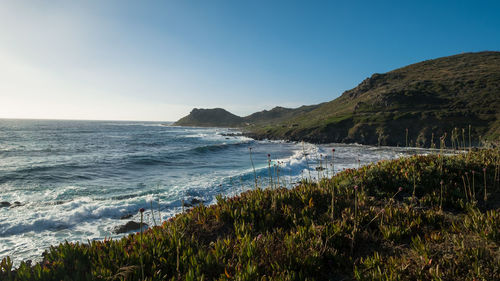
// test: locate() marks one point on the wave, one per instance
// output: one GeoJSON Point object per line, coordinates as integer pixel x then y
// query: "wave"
{"type": "Point", "coordinates": [182, 157]}
{"type": "Point", "coordinates": [87, 169]}
{"type": "Point", "coordinates": [149, 144]}
{"type": "Point", "coordinates": [71, 214]}
{"type": "Point", "coordinates": [290, 171]}
{"type": "Point", "coordinates": [149, 160]}
{"type": "Point", "coordinates": [36, 226]}
{"type": "Point", "coordinates": [218, 147]}
{"type": "Point", "coordinates": [58, 172]}
{"type": "Point", "coordinates": [142, 124]}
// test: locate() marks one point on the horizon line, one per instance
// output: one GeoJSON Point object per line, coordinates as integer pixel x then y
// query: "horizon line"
{"type": "Point", "coordinates": [71, 119]}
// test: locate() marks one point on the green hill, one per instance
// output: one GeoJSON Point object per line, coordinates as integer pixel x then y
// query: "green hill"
{"type": "Point", "coordinates": [429, 98]}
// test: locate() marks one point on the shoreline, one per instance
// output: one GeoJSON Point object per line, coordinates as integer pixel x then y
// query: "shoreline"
{"type": "Point", "coordinates": [118, 222]}
{"type": "Point", "coordinates": [176, 207]}
{"type": "Point", "coordinates": [244, 195]}
{"type": "Point", "coordinates": [244, 131]}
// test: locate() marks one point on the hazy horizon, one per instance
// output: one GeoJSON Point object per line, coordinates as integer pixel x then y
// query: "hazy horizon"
{"type": "Point", "coordinates": [126, 61]}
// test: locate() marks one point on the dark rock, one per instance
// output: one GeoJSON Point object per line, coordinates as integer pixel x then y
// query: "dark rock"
{"type": "Point", "coordinates": [16, 204]}
{"type": "Point", "coordinates": [231, 134]}
{"type": "Point", "coordinates": [4, 204]}
{"type": "Point", "coordinates": [127, 216]}
{"type": "Point", "coordinates": [129, 226]}
{"type": "Point", "coordinates": [195, 201]}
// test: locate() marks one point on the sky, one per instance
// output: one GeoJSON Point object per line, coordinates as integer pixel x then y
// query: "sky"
{"type": "Point", "coordinates": [156, 60]}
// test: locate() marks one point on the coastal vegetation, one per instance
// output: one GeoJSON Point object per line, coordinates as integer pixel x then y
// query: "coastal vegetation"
{"type": "Point", "coordinates": [424, 217]}
{"type": "Point", "coordinates": [449, 97]}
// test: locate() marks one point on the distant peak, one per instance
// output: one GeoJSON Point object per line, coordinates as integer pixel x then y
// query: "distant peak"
{"type": "Point", "coordinates": [210, 117]}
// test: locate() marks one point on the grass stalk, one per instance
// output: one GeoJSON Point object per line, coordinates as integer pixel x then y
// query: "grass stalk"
{"type": "Point", "coordinates": [140, 245]}
{"type": "Point", "coordinates": [382, 211]}
{"type": "Point", "coordinates": [355, 229]}
{"type": "Point", "coordinates": [463, 139]}
{"type": "Point", "coordinates": [473, 185]}
{"type": "Point", "coordinates": [333, 201]}
{"type": "Point", "coordinates": [333, 162]}
{"type": "Point", "coordinates": [318, 169]}
{"type": "Point", "coordinates": [355, 207]}
{"type": "Point", "coordinates": [441, 196]}
{"type": "Point", "coordinates": [406, 137]}
{"type": "Point", "coordinates": [159, 207]}
{"type": "Point", "coordinates": [152, 213]}
{"type": "Point", "coordinates": [253, 166]}
{"type": "Point", "coordinates": [452, 139]}
{"type": "Point", "coordinates": [485, 198]}
{"type": "Point", "coordinates": [326, 166]}
{"type": "Point", "coordinates": [307, 162]}
{"type": "Point", "coordinates": [470, 143]}
{"type": "Point", "coordinates": [468, 185]}
{"type": "Point", "coordinates": [497, 173]}
{"type": "Point", "coordinates": [465, 189]}
{"type": "Point", "coordinates": [278, 173]}
{"type": "Point", "coordinates": [269, 171]}
{"type": "Point", "coordinates": [414, 184]}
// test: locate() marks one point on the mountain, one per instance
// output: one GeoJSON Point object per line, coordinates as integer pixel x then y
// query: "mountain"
{"type": "Point", "coordinates": [218, 117]}
{"type": "Point", "coordinates": [414, 105]}
{"type": "Point", "coordinates": [215, 117]}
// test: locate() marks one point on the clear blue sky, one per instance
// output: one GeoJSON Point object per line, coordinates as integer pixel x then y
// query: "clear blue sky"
{"type": "Point", "coordinates": [155, 60]}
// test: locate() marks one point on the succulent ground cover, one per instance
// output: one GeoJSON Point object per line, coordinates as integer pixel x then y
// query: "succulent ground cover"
{"type": "Point", "coordinates": [417, 218]}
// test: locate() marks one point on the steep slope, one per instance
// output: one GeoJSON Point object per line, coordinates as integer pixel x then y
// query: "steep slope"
{"type": "Point", "coordinates": [430, 98]}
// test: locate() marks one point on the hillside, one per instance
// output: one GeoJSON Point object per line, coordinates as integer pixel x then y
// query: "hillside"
{"type": "Point", "coordinates": [277, 115]}
{"type": "Point", "coordinates": [429, 98]}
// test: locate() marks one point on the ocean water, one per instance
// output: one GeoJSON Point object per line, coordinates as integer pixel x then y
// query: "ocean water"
{"type": "Point", "coordinates": [74, 180]}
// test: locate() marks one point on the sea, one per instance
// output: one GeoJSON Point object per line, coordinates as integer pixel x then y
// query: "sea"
{"type": "Point", "coordinates": [77, 181]}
